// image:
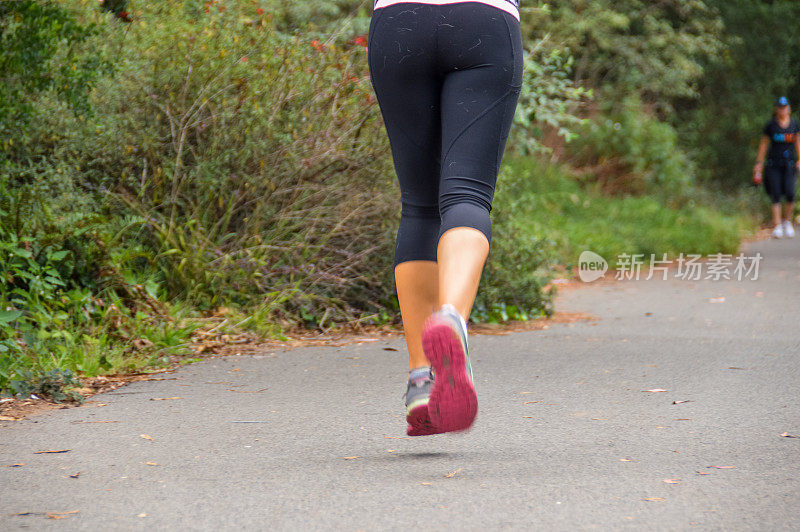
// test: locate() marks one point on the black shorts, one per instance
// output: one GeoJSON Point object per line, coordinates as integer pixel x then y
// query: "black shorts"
{"type": "Point", "coordinates": [780, 180]}
{"type": "Point", "coordinates": [447, 79]}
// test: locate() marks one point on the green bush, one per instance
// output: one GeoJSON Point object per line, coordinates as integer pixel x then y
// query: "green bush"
{"type": "Point", "coordinates": [630, 151]}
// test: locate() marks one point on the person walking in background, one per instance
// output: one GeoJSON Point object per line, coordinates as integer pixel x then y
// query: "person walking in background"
{"type": "Point", "coordinates": [447, 76]}
{"type": "Point", "coordinates": [782, 137]}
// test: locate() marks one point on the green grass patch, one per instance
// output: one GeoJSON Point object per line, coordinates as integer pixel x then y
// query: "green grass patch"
{"type": "Point", "coordinates": [548, 202]}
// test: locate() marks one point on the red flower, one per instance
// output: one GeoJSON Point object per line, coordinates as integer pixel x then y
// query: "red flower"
{"type": "Point", "coordinates": [260, 11]}
{"type": "Point", "coordinates": [316, 45]}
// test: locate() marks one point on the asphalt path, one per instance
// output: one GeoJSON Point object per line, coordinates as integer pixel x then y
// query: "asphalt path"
{"type": "Point", "coordinates": [566, 438]}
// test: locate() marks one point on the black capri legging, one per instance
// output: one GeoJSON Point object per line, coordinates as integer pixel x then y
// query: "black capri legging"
{"type": "Point", "coordinates": [780, 180]}
{"type": "Point", "coordinates": [447, 78]}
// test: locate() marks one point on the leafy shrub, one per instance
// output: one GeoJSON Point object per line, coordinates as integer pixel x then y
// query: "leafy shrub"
{"type": "Point", "coordinates": [629, 151]}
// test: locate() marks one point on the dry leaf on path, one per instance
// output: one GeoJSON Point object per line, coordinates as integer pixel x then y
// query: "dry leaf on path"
{"type": "Point", "coordinates": [147, 437]}
{"type": "Point", "coordinates": [717, 300]}
{"type": "Point", "coordinates": [530, 402]}
{"type": "Point", "coordinates": [9, 418]}
{"type": "Point", "coordinates": [53, 452]}
{"type": "Point", "coordinates": [721, 467]}
{"type": "Point", "coordinates": [451, 475]}
{"type": "Point", "coordinates": [654, 499]}
{"type": "Point", "coordinates": [427, 483]}
{"type": "Point", "coordinates": [16, 465]}
{"type": "Point", "coordinates": [703, 473]}
{"type": "Point", "coordinates": [682, 401]}
{"type": "Point", "coordinates": [625, 460]}
{"type": "Point", "coordinates": [60, 515]}
{"type": "Point", "coordinates": [389, 349]}
{"type": "Point", "coordinates": [164, 398]}
{"type": "Point", "coordinates": [672, 481]}
{"type": "Point", "coordinates": [152, 463]}
{"type": "Point", "coordinates": [787, 435]}
{"type": "Point", "coordinates": [142, 515]}
{"type": "Point", "coordinates": [351, 457]}
{"type": "Point", "coordinates": [76, 475]}
{"type": "Point", "coordinates": [655, 390]}
{"type": "Point", "coordinates": [248, 391]}
{"type": "Point", "coordinates": [527, 417]}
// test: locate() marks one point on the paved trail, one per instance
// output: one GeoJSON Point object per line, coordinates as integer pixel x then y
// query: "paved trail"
{"type": "Point", "coordinates": [589, 450]}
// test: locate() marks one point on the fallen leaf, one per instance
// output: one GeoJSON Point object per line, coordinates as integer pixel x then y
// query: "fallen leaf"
{"type": "Point", "coordinates": [528, 417]}
{"type": "Point", "coordinates": [236, 369]}
{"type": "Point", "coordinates": [248, 391]}
{"type": "Point", "coordinates": [734, 367]}
{"type": "Point", "coordinates": [60, 515]}
{"type": "Point", "coordinates": [390, 450]}
{"type": "Point", "coordinates": [625, 460]}
{"type": "Point", "coordinates": [525, 393]}
{"type": "Point", "coordinates": [655, 390]}
{"type": "Point", "coordinates": [389, 349]}
{"type": "Point", "coordinates": [682, 401]}
{"type": "Point", "coordinates": [451, 475]}
{"type": "Point", "coordinates": [683, 419]}
{"type": "Point", "coordinates": [351, 457]}
{"type": "Point", "coordinates": [46, 452]}
{"type": "Point", "coordinates": [654, 499]}
{"type": "Point", "coordinates": [9, 418]}
{"type": "Point", "coordinates": [427, 483]}
{"type": "Point", "coordinates": [76, 475]}
{"type": "Point", "coordinates": [164, 398]}
{"type": "Point", "coordinates": [147, 437]}
{"type": "Point", "coordinates": [142, 515]}
{"type": "Point", "coordinates": [787, 435]}
{"type": "Point", "coordinates": [717, 300]}
{"type": "Point", "coordinates": [672, 481]}
{"type": "Point", "coordinates": [530, 402]}
{"type": "Point", "coordinates": [152, 463]}
{"type": "Point", "coordinates": [16, 465]}
{"type": "Point", "coordinates": [703, 473]}
{"type": "Point", "coordinates": [721, 467]}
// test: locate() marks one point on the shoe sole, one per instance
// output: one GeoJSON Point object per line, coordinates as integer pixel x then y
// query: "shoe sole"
{"type": "Point", "coordinates": [453, 404]}
{"type": "Point", "coordinates": [419, 422]}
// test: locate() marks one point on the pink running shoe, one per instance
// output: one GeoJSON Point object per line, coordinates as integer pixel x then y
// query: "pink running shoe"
{"type": "Point", "coordinates": [418, 392]}
{"type": "Point", "coordinates": [453, 403]}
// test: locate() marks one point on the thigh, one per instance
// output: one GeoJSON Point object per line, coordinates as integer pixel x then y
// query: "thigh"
{"type": "Point", "coordinates": [402, 69]}
{"type": "Point", "coordinates": [483, 55]}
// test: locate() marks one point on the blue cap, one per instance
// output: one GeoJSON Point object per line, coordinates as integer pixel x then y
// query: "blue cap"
{"type": "Point", "coordinates": [783, 101]}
